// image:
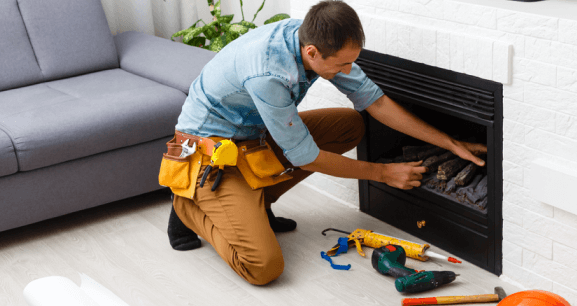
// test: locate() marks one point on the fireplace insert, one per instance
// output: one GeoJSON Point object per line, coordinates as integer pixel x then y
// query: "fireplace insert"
{"type": "Point", "coordinates": [463, 218]}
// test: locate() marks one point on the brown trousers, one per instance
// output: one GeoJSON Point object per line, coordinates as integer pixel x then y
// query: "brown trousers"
{"type": "Point", "coordinates": [233, 217]}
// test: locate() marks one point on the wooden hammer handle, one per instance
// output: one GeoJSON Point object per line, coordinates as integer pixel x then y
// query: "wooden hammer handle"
{"type": "Point", "coordinates": [452, 300]}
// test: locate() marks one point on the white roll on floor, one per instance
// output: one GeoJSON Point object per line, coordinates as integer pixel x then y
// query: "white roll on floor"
{"type": "Point", "coordinates": [61, 291]}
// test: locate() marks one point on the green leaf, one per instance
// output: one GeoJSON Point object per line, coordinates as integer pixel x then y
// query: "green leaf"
{"type": "Point", "coordinates": [185, 31]}
{"type": "Point", "coordinates": [217, 44]}
{"type": "Point", "coordinates": [225, 18]}
{"type": "Point", "coordinates": [237, 28]}
{"type": "Point", "coordinates": [197, 42]}
{"type": "Point", "coordinates": [248, 24]}
{"type": "Point", "coordinates": [191, 34]}
{"type": "Point", "coordinates": [210, 2]}
{"type": "Point", "coordinates": [277, 17]}
{"type": "Point", "coordinates": [216, 12]}
{"type": "Point", "coordinates": [260, 8]}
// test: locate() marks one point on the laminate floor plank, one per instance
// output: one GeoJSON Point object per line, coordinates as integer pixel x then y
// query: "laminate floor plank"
{"type": "Point", "coordinates": [124, 246]}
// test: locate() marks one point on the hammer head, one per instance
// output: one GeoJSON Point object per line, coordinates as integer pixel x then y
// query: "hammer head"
{"type": "Point", "coordinates": [500, 292]}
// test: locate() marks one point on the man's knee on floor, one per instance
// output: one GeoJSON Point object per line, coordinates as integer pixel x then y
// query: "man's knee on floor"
{"type": "Point", "coordinates": [268, 269]}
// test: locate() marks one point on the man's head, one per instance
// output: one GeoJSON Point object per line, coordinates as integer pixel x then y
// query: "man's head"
{"type": "Point", "coordinates": [331, 38]}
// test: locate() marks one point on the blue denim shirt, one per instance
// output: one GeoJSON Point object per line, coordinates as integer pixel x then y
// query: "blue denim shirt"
{"type": "Point", "coordinates": [256, 83]}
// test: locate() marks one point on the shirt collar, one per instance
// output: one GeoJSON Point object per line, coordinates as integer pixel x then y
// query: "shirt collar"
{"type": "Point", "coordinates": [301, 66]}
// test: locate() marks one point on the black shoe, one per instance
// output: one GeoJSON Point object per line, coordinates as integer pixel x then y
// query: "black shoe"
{"type": "Point", "coordinates": [280, 224]}
{"type": "Point", "coordinates": [181, 237]}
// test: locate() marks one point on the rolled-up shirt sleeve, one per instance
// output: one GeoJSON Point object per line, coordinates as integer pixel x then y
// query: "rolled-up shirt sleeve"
{"type": "Point", "coordinates": [361, 90]}
{"type": "Point", "coordinates": [280, 115]}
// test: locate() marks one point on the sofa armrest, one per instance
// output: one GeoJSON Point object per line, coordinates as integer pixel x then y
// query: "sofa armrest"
{"type": "Point", "coordinates": [167, 62]}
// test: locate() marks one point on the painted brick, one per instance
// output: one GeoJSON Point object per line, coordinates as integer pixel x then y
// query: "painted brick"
{"type": "Point", "coordinates": [564, 255]}
{"type": "Point", "coordinates": [512, 173]}
{"type": "Point", "coordinates": [550, 228]}
{"type": "Point", "coordinates": [539, 50]}
{"type": "Point", "coordinates": [533, 71]}
{"type": "Point", "coordinates": [457, 55]}
{"type": "Point", "coordinates": [427, 8]}
{"type": "Point", "coordinates": [392, 38]}
{"type": "Point", "coordinates": [379, 27]}
{"type": "Point", "coordinates": [568, 294]}
{"type": "Point", "coordinates": [521, 196]}
{"type": "Point", "coordinates": [372, 34]}
{"type": "Point", "coordinates": [568, 31]}
{"type": "Point", "coordinates": [566, 125]}
{"type": "Point", "coordinates": [514, 131]}
{"type": "Point", "coordinates": [516, 40]}
{"type": "Point", "coordinates": [478, 57]}
{"type": "Point", "coordinates": [529, 115]}
{"type": "Point", "coordinates": [512, 253]}
{"type": "Point", "coordinates": [551, 143]}
{"type": "Point", "coordinates": [502, 59]}
{"type": "Point", "coordinates": [471, 14]}
{"type": "Point", "coordinates": [525, 277]}
{"type": "Point", "coordinates": [564, 54]}
{"type": "Point", "coordinates": [555, 99]}
{"type": "Point", "coordinates": [518, 154]}
{"type": "Point", "coordinates": [429, 47]}
{"type": "Point", "coordinates": [404, 42]}
{"type": "Point", "coordinates": [515, 90]}
{"type": "Point", "coordinates": [549, 269]}
{"type": "Point", "coordinates": [528, 240]}
{"type": "Point", "coordinates": [567, 79]}
{"type": "Point", "coordinates": [414, 44]}
{"type": "Point", "coordinates": [565, 217]}
{"type": "Point", "coordinates": [528, 24]}
{"type": "Point", "coordinates": [443, 45]}
{"type": "Point", "coordinates": [513, 213]}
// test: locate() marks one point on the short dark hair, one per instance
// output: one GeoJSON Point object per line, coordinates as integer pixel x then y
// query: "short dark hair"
{"type": "Point", "coordinates": [329, 25]}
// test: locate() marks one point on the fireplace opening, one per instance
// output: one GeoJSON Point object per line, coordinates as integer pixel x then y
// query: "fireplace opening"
{"type": "Point", "coordinates": [464, 219]}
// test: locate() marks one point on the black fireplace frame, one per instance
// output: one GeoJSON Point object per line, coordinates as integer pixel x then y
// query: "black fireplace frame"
{"type": "Point", "coordinates": [468, 234]}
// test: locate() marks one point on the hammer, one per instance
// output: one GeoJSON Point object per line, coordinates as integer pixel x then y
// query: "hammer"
{"type": "Point", "coordinates": [497, 297]}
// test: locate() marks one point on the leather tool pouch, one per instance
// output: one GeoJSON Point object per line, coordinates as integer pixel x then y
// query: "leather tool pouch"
{"type": "Point", "coordinates": [179, 173]}
{"type": "Point", "coordinates": [260, 166]}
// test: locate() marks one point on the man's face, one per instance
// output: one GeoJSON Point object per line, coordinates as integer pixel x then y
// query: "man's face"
{"type": "Point", "coordinates": [329, 67]}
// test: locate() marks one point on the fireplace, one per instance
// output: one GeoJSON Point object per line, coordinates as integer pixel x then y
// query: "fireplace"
{"type": "Point", "coordinates": [465, 107]}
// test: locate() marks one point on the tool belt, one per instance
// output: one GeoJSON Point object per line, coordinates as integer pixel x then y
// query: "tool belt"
{"type": "Point", "coordinates": [258, 164]}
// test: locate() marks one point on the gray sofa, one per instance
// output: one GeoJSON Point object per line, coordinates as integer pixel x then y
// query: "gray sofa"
{"type": "Point", "coordinates": [84, 115]}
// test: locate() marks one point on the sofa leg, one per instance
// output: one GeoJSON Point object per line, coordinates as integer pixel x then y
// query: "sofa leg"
{"type": "Point", "coordinates": [181, 237]}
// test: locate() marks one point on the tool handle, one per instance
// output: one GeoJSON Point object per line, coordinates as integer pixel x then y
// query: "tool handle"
{"type": "Point", "coordinates": [452, 300]}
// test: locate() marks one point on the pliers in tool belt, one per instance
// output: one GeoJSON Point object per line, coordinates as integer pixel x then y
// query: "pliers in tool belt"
{"type": "Point", "coordinates": [224, 153]}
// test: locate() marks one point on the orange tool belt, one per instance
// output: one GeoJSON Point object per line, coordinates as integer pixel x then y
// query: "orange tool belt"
{"type": "Point", "coordinates": [258, 164]}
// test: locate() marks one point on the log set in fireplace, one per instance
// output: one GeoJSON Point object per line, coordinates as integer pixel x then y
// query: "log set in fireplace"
{"type": "Point", "coordinates": [458, 207]}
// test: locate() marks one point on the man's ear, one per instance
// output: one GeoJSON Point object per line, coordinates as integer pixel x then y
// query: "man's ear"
{"type": "Point", "coordinates": [311, 51]}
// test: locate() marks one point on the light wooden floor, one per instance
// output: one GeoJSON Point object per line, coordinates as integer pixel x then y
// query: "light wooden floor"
{"type": "Point", "coordinates": [124, 247]}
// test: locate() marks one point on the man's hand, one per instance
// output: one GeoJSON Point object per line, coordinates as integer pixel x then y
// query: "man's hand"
{"type": "Point", "coordinates": [469, 151]}
{"type": "Point", "coordinates": [401, 175]}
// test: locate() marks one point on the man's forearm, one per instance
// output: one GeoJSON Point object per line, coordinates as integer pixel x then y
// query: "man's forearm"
{"type": "Point", "coordinates": [337, 165]}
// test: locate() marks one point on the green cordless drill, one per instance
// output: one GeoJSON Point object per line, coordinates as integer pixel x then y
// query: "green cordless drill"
{"type": "Point", "coordinates": [390, 260]}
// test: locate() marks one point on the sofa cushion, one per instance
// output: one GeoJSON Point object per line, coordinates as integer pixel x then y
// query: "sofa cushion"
{"type": "Point", "coordinates": [167, 62]}
{"type": "Point", "coordinates": [69, 37]}
{"type": "Point", "coordinates": [18, 66]}
{"type": "Point", "coordinates": [62, 120]}
{"type": "Point", "coordinates": [8, 162]}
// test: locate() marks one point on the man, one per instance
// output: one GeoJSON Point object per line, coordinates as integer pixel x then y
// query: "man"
{"type": "Point", "coordinates": [251, 89]}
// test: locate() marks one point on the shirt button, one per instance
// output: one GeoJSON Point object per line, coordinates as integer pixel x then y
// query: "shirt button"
{"type": "Point", "coordinates": [290, 123]}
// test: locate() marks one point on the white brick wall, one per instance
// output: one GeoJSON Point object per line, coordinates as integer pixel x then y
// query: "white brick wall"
{"type": "Point", "coordinates": [535, 57]}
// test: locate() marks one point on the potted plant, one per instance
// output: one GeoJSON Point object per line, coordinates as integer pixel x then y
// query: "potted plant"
{"type": "Point", "coordinates": [220, 32]}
